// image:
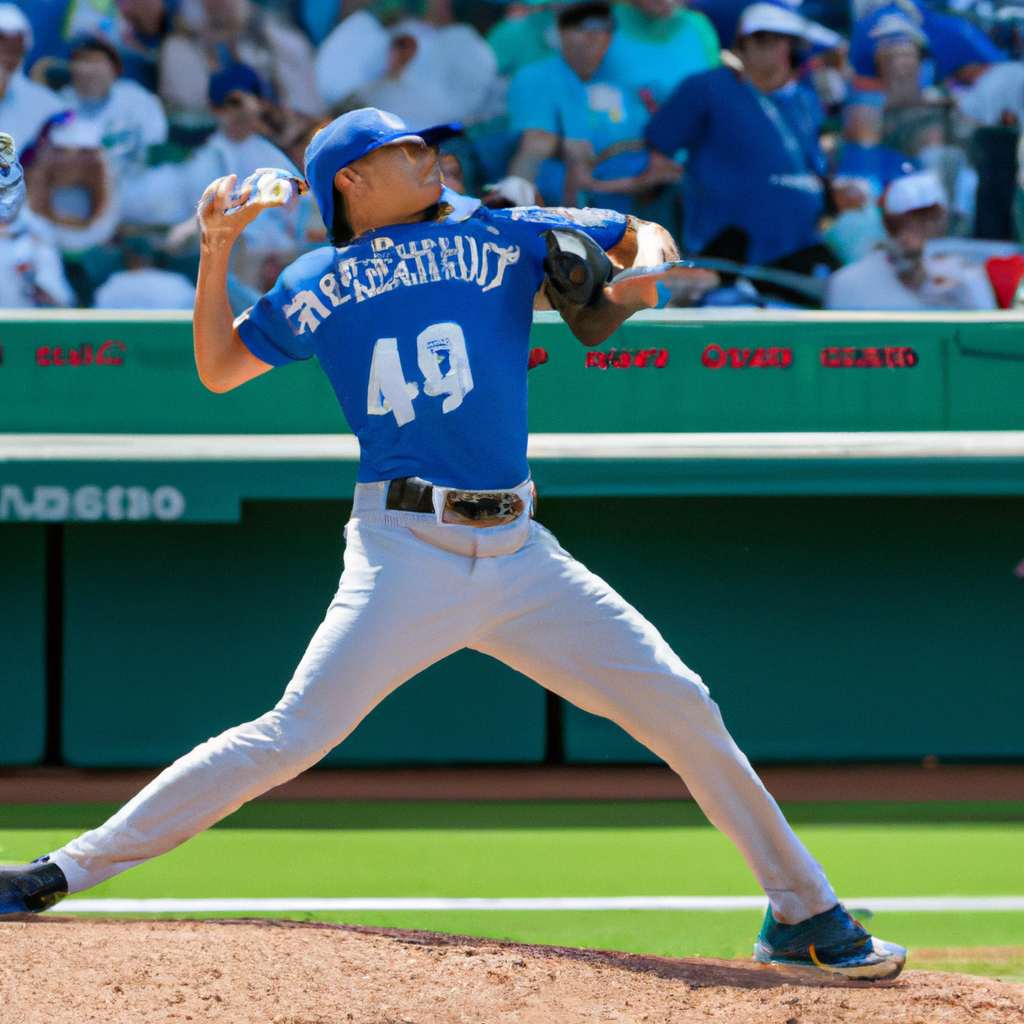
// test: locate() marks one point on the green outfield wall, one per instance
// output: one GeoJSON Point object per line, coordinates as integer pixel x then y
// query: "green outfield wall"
{"type": "Point", "coordinates": [824, 514]}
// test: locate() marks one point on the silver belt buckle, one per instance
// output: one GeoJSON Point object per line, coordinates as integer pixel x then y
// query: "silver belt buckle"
{"type": "Point", "coordinates": [482, 508]}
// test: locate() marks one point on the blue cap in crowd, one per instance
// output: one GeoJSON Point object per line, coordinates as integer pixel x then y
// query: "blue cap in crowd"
{"type": "Point", "coordinates": [237, 76]}
{"type": "Point", "coordinates": [351, 136]}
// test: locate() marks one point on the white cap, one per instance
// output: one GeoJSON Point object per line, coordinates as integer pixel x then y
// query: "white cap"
{"type": "Point", "coordinates": [772, 17]}
{"type": "Point", "coordinates": [914, 192]}
{"type": "Point", "coordinates": [896, 26]}
{"type": "Point", "coordinates": [14, 23]}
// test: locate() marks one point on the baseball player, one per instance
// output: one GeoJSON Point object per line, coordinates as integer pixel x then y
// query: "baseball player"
{"type": "Point", "coordinates": [420, 313]}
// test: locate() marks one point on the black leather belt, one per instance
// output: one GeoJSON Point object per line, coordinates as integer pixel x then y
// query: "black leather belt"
{"type": "Point", "coordinates": [470, 508]}
{"type": "Point", "coordinates": [411, 494]}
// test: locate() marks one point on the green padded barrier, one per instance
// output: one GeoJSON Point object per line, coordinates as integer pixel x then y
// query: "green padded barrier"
{"type": "Point", "coordinates": [967, 373]}
{"type": "Point", "coordinates": [826, 628]}
{"type": "Point", "coordinates": [174, 633]}
{"type": "Point", "coordinates": [22, 643]}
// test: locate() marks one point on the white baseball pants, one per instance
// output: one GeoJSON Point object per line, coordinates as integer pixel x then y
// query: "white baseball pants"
{"type": "Point", "coordinates": [403, 604]}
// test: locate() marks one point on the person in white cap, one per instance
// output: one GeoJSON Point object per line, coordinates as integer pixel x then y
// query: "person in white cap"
{"type": "Point", "coordinates": [128, 117]}
{"type": "Point", "coordinates": [900, 274]}
{"type": "Point", "coordinates": [755, 184]}
{"type": "Point", "coordinates": [25, 106]}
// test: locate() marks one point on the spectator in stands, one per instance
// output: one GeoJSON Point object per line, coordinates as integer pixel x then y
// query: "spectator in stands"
{"type": "Point", "coordinates": [754, 188]}
{"type": "Point", "coordinates": [72, 185]}
{"type": "Point", "coordinates": [436, 76]}
{"type": "Point", "coordinates": [862, 154]}
{"type": "Point", "coordinates": [865, 167]}
{"type": "Point", "coordinates": [924, 127]}
{"type": "Point", "coordinates": [31, 272]}
{"type": "Point", "coordinates": [991, 94]}
{"type": "Point", "coordinates": [575, 123]}
{"type": "Point", "coordinates": [354, 55]}
{"type": "Point", "coordinates": [25, 106]}
{"type": "Point", "coordinates": [657, 44]}
{"type": "Point", "coordinates": [213, 35]}
{"type": "Point", "coordinates": [141, 285]}
{"type": "Point", "coordinates": [526, 34]}
{"type": "Point", "coordinates": [952, 41]}
{"type": "Point", "coordinates": [168, 194]}
{"type": "Point", "coordinates": [902, 275]}
{"type": "Point", "coordinates": [129, 119]}
{"type": "Point", "coordinates": [135, 28]}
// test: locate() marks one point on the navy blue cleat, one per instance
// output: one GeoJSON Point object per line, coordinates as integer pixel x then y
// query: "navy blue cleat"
{"type": "Point", "coordinates": [831, 944]}
{"type": "Point", "coordinates": [29, 888]}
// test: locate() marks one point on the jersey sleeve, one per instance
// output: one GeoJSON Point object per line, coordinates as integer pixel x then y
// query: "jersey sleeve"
{"type": "Point", "coordinates": [528, 223]}
{"type": "Point", "coordinates": [280, 327]}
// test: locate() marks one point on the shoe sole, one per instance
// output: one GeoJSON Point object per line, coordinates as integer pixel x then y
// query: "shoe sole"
{"type": "Point", "coordinates": [888, 966]}
{"type": "Point", "coordinates": [862, 972]}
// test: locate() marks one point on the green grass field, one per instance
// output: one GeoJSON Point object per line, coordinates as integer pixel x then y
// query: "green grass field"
{"type": "Point", "coordinates": [584, 849]}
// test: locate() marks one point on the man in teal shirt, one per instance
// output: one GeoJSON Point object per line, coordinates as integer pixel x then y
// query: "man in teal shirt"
{"type": "Point", "coordinates": [657, 44]}
{"type": "Point", "coordinates": [580, 115]}
{"type": "Point", "coordinates": [661, 36]}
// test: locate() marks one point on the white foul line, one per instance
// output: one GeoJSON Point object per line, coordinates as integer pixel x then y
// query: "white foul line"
{"type": "Point", "coordinates": [258, 906]}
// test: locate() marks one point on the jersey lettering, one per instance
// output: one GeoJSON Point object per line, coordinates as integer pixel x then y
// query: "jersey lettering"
{"type": "Point", "coordinates": [307, 305]}
{"type": "Point", "coordinates": [443, 360]}
{"type": "Point", "coordinates": [388, 390]}
{"type": "Point", "coordinates": [439, 344]}
{"type": "Point", "coordinates": [329, 286]}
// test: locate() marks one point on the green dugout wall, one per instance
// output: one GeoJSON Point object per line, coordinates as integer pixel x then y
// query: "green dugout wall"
{"type": "Point", "coordinates": [822, 513]}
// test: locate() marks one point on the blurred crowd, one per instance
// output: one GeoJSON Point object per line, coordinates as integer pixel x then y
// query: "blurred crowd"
{"type": "Point", "coordinates": [852, 154]}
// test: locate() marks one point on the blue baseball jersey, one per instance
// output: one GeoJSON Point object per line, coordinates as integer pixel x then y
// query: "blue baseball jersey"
{"type": "Point", "coordinates": [424, 333]}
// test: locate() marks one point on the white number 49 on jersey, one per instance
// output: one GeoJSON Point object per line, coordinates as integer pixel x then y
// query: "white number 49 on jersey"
{"type": "Point", "coordinates": [388, 390]}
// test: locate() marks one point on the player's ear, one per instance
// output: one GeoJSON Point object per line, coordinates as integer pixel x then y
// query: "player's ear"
{"type": "Point", "coordinates": [347, 181]}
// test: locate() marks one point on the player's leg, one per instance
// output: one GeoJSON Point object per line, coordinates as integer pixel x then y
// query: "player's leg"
{"type": "Point", "coordinates": [401, 606]}
{"type": "Point", "coordinates": [566, 628]}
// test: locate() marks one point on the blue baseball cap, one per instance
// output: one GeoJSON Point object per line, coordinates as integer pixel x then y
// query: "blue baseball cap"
{"type": "Point", "coordinates": [351, 136]}
{"type": "Point", "coordinates": [235, 76]}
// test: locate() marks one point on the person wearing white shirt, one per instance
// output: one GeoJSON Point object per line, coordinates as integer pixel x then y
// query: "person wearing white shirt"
{"type": "Point", "coordinates": [901, 275]}
{"type": "Point", "coordinates": [351, 57]}
{"type": "Point", "coordinates": [168, 194]}
{"type": "Point", "coordinates": [991, 94]}
{"type": "Point", "coordinates": [31, 271]}
{"type": "Point", "coordinates": [25, 106]}
{"type": "Point", "coordinates": [129, 119]}
{"type": "Point", "coordinates": [436, 76]}
{"type": "Point", "coordinates": [141, 285]}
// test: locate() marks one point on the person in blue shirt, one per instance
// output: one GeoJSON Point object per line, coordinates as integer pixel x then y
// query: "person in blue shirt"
{"type": "Point", "coordinates": [419, 312]}
{"type": "Point", "coordinates": [754, 187]}
{"type": "Point", "coordinates": [953, 42]}
{"type": "Point", "coordinates": [862, 154]}
{"type": "Point", "coordinates": [575, 121]}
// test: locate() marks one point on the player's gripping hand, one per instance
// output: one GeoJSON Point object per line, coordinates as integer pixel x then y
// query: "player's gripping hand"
{"type": "Point", "coordinates": [225, 211]}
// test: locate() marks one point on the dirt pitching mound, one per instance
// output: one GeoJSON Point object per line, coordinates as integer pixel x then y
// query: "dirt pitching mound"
{"type": "Point", "coordinates": [58, 970]}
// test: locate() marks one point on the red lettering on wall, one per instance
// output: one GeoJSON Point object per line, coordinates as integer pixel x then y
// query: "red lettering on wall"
{"type": "Point", "coordinates": [891, 356]}
{"type": "Point", "coordinates": [108, 353]}
{"type": "Point", "coordinates": [715, 357]}
{"type": "Point", "coordinates": [622, 359]}
{"type": "Point", "coordinates": [111, 353]}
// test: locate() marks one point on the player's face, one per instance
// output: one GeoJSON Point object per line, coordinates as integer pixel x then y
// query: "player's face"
{"type": "Point", "coordinates": [390, 185]}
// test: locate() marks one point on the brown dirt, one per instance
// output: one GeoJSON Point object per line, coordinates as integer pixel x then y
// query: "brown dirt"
{"type": "Point", "coordinates": [58, 970]}
{"type": "Point", "coordinates": [787, 783]}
